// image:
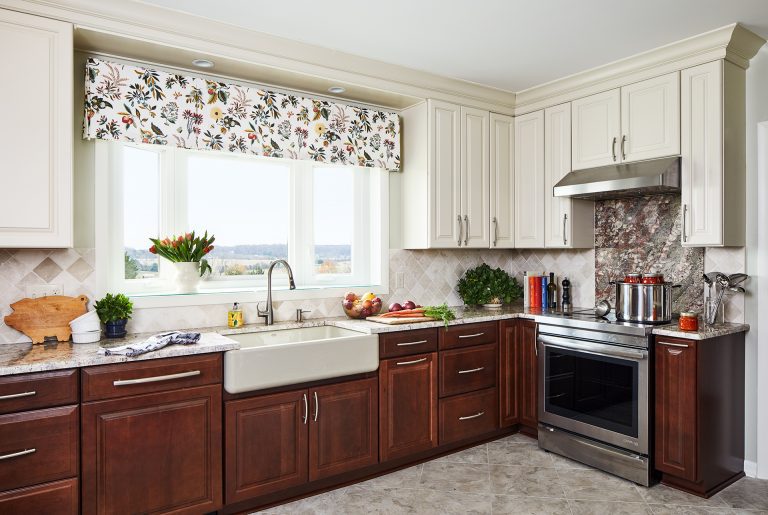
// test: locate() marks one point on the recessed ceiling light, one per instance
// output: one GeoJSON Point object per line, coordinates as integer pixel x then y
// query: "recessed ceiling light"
{"type": "Point", "coordinates": [203, 63]}
{"type": "Point", "coordinates": [336, 89]}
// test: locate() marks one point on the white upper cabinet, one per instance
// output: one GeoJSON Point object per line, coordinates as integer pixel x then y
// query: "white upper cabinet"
{"type": "Point", "coordinates": [713, 166]}
{"type": "Point", "coordinates": [502, 181]}
{"type": "Point", "coordinates": [475, 177]}
{"type": "Point", "coordinates": [596, 130]}
{"type": "Point", "coordinates": [36, 138]}
{"type": "Point", "coordinates": [445, 168]}
{"type": "Point", "coordinates": [529, 180]}
{"type": "Point", "coordinates": [650, 118]}
{"type": "Point", "coordinates": [633, 123]}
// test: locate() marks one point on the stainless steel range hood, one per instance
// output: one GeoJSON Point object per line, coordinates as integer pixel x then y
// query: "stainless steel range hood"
{"type": "Point", "coordinates": [652, 177]}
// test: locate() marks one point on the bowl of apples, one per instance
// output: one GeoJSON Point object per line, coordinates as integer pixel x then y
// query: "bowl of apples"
{"type": "Point", "coordinates": [361, 307]}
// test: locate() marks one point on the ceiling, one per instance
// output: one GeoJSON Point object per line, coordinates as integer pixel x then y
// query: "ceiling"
{"type": "Point", "coordinates": [507, 44]}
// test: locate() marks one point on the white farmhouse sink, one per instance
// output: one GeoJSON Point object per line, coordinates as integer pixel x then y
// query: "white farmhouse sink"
{"type": "Point", "coordinates": [290, 356]}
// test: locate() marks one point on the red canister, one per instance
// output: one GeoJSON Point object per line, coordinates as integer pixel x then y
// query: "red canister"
{"type": "Point", "coordinates": [652, 279]}
{"type": "Point", "coordinates": [632, 278]}
{"type": "Point", "coordinates": [689, 321]}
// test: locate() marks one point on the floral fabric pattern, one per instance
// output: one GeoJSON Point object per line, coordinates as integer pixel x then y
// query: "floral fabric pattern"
{"type": "Point", "coordinates": [142, 105]}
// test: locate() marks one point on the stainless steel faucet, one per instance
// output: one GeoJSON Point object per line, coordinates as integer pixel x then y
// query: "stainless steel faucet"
{"type": "Point", "coordinates": [268, 313]}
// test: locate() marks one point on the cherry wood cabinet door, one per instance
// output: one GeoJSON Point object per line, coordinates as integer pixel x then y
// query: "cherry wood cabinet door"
{"type": "Point", "coordinates": [408, 410]}
{"type": "Point", "coordinates": [153, 453]}
{"type": "Point", "coordinates": [510, 371]}
{"type": "Point", "coordinates": [676, 408]}
{"type": "Point", "coordinates": [528, 386]}
{"type": "Point", "coordinates": [57, 498]}
{"type": "Point", "coordinates": [265, 444]}
{"type": "Point", "coordinates": [343, 427]}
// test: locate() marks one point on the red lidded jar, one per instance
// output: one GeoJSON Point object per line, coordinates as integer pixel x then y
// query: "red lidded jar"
{"type": "Point", "coordinates": [689, 321]}
{"type": "Point", "coordinates": [633, 278]}
{"type": "Point", "coordinates": [652, 279]}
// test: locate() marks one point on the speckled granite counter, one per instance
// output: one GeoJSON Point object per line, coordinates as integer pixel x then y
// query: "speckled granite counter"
{"type": "Point", "coordinates": [704, 333]}
{"type": "Point", "coordinates": [22, 358]}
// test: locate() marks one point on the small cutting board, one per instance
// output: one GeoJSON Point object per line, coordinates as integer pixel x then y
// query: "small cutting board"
{"type": "Point", "coordinates": [399, 321]}
{"type": "Point", "coordinates": [46, 316]}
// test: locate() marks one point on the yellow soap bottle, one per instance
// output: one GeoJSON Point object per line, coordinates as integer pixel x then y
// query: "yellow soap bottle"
{"type": "Point", "coordinates": [235, 316]}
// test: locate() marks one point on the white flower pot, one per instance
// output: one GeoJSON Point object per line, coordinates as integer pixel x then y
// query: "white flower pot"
{"type": "Point", "coordinates": [187, 276]}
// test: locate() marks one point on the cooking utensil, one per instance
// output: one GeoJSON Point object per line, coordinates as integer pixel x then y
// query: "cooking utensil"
{"type": "Point", "coordinates": [644, 303]}
{"type": "Point", "coordinates": [737, 279]}
{"type": "Point", "coordinates": [722, 282]}
{"type": "Point", "coordinates": [603, 308]}
{"type": "Point", "coordinates": [737, 289]}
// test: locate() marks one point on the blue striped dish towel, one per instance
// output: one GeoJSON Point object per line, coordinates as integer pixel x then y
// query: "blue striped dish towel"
{"type": "Point", "coordinates": [152, 343]}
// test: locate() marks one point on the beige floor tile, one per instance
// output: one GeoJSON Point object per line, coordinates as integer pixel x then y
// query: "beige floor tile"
{"type": "Point", "coordinates": [455, 477]}
{"type": "Point", "coordinates": [477, 455]}
{"type": "Point", "coordinates": [674, 509]}
{"type": "Point", "coordinates": [595, 485]}
{"type": "Point", "coordinates": [747, 493]}
{"type": "Point", "coordinates": [580, 507]}
{"type": "Point", "coordinates": [503, 504]}
{"type": "Point", "coordinates": [518, 438]}
{"type": "Point", "coordinates": [662, 494]}
{"type": "Point", "coordinates": [525, 481]}
{"type": "Point", "coordinates": [323, 504]}
{"type": "Point", "coordinates": [511, 453]}
{"type": "Point", "coordinates": [405, 478]}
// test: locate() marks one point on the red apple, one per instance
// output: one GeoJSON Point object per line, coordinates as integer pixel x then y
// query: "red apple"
{"type": "Point", "coordinates": [350, 295]}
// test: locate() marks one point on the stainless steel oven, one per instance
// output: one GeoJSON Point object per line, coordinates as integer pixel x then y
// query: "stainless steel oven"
{"type": "Point", "coordinates": [594, 390]}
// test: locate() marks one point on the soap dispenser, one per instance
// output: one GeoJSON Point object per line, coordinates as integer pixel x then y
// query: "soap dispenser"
{"type": "Point", "coordinates": [235, 316]}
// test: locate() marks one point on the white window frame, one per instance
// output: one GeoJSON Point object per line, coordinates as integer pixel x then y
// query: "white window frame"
{"type": "Point", "coordinates": [369, 262]}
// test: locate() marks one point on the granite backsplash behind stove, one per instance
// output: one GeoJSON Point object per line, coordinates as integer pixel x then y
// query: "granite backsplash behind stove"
{"type": "Point", "coordinates": [643, 235]}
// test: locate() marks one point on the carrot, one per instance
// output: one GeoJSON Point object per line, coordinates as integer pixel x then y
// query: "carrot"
{"type": "Point", "coordinates": [405, 312]}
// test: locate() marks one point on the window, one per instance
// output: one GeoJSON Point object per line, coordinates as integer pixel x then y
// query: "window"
{"type": "Point", "coordinates": [328, 222]}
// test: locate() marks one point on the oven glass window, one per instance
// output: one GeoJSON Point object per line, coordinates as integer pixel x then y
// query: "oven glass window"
{"type": "Point", "coordinates": [600, 391]}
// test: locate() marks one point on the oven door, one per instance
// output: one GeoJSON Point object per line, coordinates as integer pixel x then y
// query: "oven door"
{"type": "Point", "coordinates": [594, 389]}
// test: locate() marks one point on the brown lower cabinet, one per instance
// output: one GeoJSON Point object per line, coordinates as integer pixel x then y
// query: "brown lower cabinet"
{"type": "Point", "coordinates": [57, 498]}
{"type": "Point", "coordinates": [518, 372]}
{"type": "Point", "coordinates": [282, 440]}
{"type": "Point", "coordinates": [699, 412]}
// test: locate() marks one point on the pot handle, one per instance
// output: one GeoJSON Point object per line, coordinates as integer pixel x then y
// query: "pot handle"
{"type": "Point", "coordinates": [676, 286]}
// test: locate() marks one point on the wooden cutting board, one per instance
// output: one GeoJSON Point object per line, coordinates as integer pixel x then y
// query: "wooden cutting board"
{"type": "Point", "coordinates": [46, 316]}
{"type": "Point", "coordinates": [398, 321]}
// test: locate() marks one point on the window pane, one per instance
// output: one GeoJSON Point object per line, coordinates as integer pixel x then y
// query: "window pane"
{"type": "Point", "coordinates": [334, 215]}
{"type": "Point", "coordinates": [245, 203]}
{"type": "Point", "coordinates": [141, 212]}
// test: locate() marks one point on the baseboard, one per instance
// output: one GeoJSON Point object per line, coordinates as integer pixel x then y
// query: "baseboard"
{"type": "Point", "coordinates": [750, 468]}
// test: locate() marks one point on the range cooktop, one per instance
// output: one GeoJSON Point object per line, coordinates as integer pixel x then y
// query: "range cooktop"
{"type": "Point", "coordinates": [586, 319]}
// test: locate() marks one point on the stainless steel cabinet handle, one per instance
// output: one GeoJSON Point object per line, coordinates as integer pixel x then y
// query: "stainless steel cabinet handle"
{"type": "Point", "coordinates": [317, 407]}
{"type": "Point", "coordinates": [466, 230]}
{"type": "Point", "coordinates": [468, 417]}
{"type": "Point", "coordinates": [156, 379]}
{"type": "Point", "coordinates": [674, 344]}
{"type": "Point", "coordinates": [613, 148]}
{"type": "Point", "coordinates": [495, 230]}
{"type": "Point", "coordinates": [306, 409]}
{"type": "Point", "coordinates": [17, 395]}
{"type": "Point", "coordinates": [462, 336]}
{"type": "Point", "coordinates": [458, 219]}
{"type": "Point", "coordinates": [411, 362]}
{"type": "Point", "coordinates": [404, 344]}
{"type": "Point", "coordinates": [478, 369]}
{"type": "Point", "coordinates": [623, 141]}
{"type": "Point", "coordinates": [685, 212]}
{"type": "Point", "coordinates": [17, 454]}
{"type": "Point", "coordinates": [565, 238]}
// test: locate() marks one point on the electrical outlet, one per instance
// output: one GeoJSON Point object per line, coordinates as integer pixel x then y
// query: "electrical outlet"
{"type": "Point", "coordinates": [35, 291]}
{"type": "Point", "coordinates": [400, 280]}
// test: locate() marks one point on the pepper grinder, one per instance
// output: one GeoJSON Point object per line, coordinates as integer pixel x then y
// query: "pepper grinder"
{"type": "Point", "coordinates": [566, 304]}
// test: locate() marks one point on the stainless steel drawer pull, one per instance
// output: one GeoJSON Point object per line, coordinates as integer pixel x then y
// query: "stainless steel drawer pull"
{"type": "Point", "coordinates": [17, 395]}
{"type": "Point", "coordinates": [411, 362]}
{"type": "Point", "coordinates": [17, 454]}
{"type": "Point", "coordinates": [468, 417]}
{"type": "Point", "coordinates": [478, 369]}
{"type": "Point", "coordinates": [155, 379]}
{"type": "Point", "coordinates": [674, 344]}
{"type": "Point", "coordinates": [317, 407]}
{"type": "Point", "coordinates": [411, 343]}
{"type": "Point", "coordinates": [462, 336]}
{"type": "Point", "coordinates": [306, 409]}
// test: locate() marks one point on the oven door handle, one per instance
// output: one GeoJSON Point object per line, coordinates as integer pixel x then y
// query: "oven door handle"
{"type": "Point", "coordinates": [591, 348]}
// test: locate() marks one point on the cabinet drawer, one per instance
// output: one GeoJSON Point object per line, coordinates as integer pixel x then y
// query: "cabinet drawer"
{"type": "Point", "coordinates": [469, 415]}
{"type": "Point", "coordinates": [42, 390]}
{"type": "Point", "coordinates": [468, 335]}
{"type": "Point", "coordinates": [38, 446]}
{"type": "Point", "coordinates": [157, 375]}
{"type": "Point", "coordinates": [59, 498]}
{"type": "Point", "coordinates": [467, 370]}
{"type": "Point", "coordinates": [403, 343]}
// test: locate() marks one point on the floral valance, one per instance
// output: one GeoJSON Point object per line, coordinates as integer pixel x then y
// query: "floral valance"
{"type": "Point", "coordinates": [143, 105]}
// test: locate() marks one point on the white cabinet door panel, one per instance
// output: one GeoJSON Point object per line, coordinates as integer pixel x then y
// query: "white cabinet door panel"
{"type": "Point", "coordinates": [650, 118]}
{"type": "Point", "coordinates": [502, 181]}
{"type": "Point", "coordinates": [445, 167]}
{"type": "Point", "coordinates": [475, 176]}
{"type": "Point", "coordinates": [596, 130]}
{"type": "Point", "coordinates": [557, 163]}
{"type": "Point", "coordinates": [529, 180]}
{"type": "Point", "coordinates": [36, 138]}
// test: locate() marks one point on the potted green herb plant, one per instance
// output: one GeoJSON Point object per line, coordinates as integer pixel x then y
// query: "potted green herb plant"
{"type": "Point", "coordinates": [114, 311]}
{"type": "Point", "coordinates": [488, 286]}
{"type": "Point", "coordinates": [187, 253]}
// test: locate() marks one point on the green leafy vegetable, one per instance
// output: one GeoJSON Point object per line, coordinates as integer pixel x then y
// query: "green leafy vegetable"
{"type": "Point", "coordinates": [442, 312]}
{"type": "Point", "coordinates": [485, 285]}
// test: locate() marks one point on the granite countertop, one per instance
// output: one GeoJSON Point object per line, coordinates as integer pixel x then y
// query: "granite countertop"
{"type": "Point", "coordinates": [20, 358]}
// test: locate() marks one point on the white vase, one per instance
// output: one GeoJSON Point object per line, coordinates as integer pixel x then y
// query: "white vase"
{"type": "Point", "coordinates": [187, 276]}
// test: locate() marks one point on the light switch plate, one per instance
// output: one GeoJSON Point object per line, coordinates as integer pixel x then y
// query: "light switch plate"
{"type": "Point", "coordinates": [400, 280]}
{"type": "Point", "coordinates": [35, 291]}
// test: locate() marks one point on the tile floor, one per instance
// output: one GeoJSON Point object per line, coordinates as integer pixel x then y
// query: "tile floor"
{"type": "Point", "coordinates": [513, 475]}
